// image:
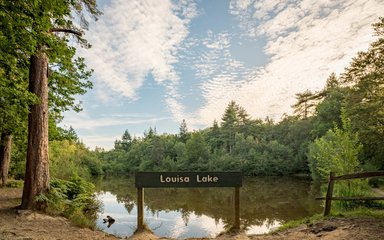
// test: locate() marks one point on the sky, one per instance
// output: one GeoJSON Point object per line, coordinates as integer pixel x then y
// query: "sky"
{"type": "Point", "coordinates": [157, 62]}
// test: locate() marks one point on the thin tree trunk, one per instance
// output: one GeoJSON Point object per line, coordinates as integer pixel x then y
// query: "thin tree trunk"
{"type": "Point", "coordinates": [5, 156]}
{"type": "Point", "coordinates": [37, 168]}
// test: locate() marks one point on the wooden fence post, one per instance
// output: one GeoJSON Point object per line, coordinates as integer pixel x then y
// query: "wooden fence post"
{"type": "Point", "coordinates": [328, 198]}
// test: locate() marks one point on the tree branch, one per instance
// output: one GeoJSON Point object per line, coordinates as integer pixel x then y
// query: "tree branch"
{"type": "Point", "coordinates": [65, 31]}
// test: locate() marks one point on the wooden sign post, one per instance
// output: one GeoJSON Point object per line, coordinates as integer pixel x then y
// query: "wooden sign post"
{"type": "Point", "coordinates": [186, 180]}
{"type": "Point", "coordinates": [140, 209]}
{"type": "Point", "coordinates": [236, 225]}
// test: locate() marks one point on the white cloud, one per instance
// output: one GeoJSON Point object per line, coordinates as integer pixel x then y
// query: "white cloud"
{"type": "Point", "coordinates": [306, 40]}
{"type": "Point", "coordinates": [102, 130]}
{"type": "Point", "coordinates": [105, 142]}
{"type": "Point", "coordinates": [133, 39]}
{"type": "Point", "coordinates": [84, 121]}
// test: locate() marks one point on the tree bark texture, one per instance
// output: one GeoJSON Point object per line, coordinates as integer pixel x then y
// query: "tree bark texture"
{"type": "Point", "coordinates": [5, 156]}
{"type": "Point", "coordinates": [37, 167]}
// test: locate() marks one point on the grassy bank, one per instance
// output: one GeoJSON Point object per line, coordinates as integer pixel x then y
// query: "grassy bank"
{"type": "Point", "coordinates": [361, 212]}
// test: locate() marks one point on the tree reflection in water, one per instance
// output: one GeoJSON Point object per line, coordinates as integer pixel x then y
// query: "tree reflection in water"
{"type": "Point", "coordinates": [264, 201]}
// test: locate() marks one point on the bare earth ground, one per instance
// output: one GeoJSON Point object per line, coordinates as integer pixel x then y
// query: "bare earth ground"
{"type": "Point", "coordinates": [28, 225]}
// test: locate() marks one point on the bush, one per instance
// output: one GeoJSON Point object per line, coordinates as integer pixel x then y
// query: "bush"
{"type": "Point", "coordinates": [73, 199]}
{"type": "Point", "coordinates": [336, 152]}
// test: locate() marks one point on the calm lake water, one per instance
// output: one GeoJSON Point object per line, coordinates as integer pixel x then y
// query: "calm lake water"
{"type": "Point", "coordinates": [265, 203]}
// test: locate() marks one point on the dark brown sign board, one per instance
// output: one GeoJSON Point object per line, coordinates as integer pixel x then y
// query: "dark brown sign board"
{"type": "Point", "coordinates": [187, 179]}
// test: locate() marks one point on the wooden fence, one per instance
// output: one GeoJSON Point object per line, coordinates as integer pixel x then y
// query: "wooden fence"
{"type": "Point", "coordinates": [332, 178]}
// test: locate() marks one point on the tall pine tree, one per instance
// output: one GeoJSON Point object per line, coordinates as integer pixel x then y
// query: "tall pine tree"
{"type": "Point", "coordinates": [38, 32]}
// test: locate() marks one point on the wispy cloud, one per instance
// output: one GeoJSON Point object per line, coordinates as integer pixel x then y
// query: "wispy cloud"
{"type": "Point", "coordinates": [221, 77]}
{"type": "Point", "coordinates": [134, 39]}
{"type": "Point", "coordinates": [307, 40]}
{"type": "Point", "coordinates": [102, 130]}
{"type": "Point", "coordinates": [105, 142]}
{"type": "Point", "coordinates": [83, 121]}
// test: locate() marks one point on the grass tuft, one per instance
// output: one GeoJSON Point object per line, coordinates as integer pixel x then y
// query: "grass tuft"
{"type": "Point", "coordinates": [13, 183]}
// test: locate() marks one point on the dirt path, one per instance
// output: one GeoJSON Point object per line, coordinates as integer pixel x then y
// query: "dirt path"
{"type": "Point", "coordinates": [334, 229]}
{"type": "Point", "coordinates": [30, 225]}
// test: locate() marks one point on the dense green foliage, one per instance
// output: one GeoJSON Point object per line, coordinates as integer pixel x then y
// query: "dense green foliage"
{"type": "Point", "coordinates": [69, 157]}
{"type": "Point", "coordinates": [252, 146]}
{"type": "Point", "coordinates": [27, 26]}
{"type": "Point", "coordinates": [365, 99]}
{"type": "Point", "coordinates": [73, 198]}
{"type": "Point", "coordinates": [337, 151]}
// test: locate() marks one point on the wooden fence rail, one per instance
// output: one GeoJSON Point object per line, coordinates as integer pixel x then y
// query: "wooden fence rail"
{"type": "Point", "coordinates": [332, 178]}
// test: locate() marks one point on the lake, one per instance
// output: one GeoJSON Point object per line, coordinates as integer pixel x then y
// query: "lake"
{"type": "Point", "coordinates": [265, 203]}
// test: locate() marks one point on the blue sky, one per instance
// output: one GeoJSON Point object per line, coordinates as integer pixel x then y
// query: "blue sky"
{"type": "Point", "coordinates": [157, 62]}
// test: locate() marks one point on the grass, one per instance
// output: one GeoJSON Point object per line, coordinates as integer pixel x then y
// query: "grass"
{"type": "Point", "coordinates": [358, 212]}
{"type": "Point", "coordinates": [12, 183]}
{"type": "Point", "coordinates": [296, 223]}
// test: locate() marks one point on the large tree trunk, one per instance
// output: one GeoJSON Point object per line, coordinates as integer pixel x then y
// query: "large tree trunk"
{"type": "Point", "coordinates": [5, 156]}
{"type": "Point", "coordinates": [37, 168]}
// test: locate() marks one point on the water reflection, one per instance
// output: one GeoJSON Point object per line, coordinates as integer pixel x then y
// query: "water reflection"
{"type": "Point", "coordinates": [204, 212]}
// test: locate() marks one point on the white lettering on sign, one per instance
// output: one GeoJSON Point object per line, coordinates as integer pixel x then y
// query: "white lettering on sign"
{"type": "Point", "coordinates": [183, 179]}
{"type": "Point", "coordinates": [176, 179]}
{"type": "Point", "coordinates": [206, 179]}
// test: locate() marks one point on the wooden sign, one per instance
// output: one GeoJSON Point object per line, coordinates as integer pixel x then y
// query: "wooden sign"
{"type": "Point", "coordinates": [187, 179]}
